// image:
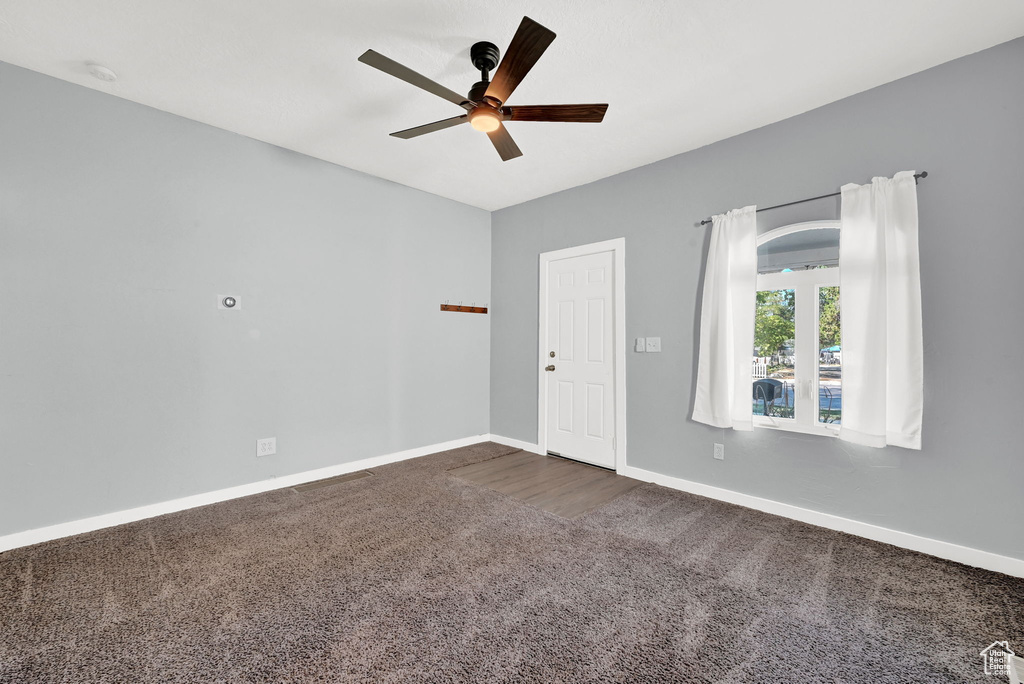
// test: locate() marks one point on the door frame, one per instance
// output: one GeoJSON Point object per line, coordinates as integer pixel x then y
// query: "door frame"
{"type": "Point", "coordinates": [617, 247]}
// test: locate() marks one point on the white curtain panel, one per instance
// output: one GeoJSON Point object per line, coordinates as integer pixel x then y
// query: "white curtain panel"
{"type": "Point", "coordinates": [724, 382]}
{"type": "Point", "coordinates": [880, 296]}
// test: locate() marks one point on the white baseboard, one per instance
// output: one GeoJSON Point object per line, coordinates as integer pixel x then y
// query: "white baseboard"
{"type": "Point", "coordinates": [941, 549]}
{"type": "Point", "coordinates": [515, 443]}
{"type": "Point", "coordinates": [42, 534]}
{"type": "Point", "coordinates": [933, 547]}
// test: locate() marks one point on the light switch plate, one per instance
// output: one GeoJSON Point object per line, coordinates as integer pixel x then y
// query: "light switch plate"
{"type": "Point", "coordinates": [641, 344]}
{"type": "Point", "coordinates": [653, 344]}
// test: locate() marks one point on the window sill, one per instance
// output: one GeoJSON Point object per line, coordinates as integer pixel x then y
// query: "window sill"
{"type": "Point", "coordinates": [789, 425]}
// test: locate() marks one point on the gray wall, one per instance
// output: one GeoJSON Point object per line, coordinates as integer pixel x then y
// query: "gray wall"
{"type": "Point", "coordinates": [961, 122]}
{"type": "Point", "coordinates": [121, 384]}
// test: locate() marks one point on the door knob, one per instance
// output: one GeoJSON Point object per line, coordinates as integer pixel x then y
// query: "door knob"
{"type": "Point", "coordinates": [549, 368]}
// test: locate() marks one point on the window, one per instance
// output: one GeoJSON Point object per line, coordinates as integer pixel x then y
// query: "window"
{"type": "Point", "coordinates": [797, 351]}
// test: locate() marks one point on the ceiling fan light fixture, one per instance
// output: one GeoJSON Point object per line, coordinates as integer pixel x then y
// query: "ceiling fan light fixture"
{"type": "Point", "coordinates": [485, 105]}
{"type": "Point", "coordinates": [485, 119]}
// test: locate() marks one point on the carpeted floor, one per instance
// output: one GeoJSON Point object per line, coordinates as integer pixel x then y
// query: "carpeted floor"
{"type": "Point", "coordinates": [414, 575]}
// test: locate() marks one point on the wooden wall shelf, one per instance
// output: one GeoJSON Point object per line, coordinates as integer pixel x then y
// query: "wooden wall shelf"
{"type": "Point", "coordinates": [464, 309]}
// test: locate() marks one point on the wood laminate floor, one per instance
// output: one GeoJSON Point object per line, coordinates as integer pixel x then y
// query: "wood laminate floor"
{"type": "Point", "coordinates": [556, 485]}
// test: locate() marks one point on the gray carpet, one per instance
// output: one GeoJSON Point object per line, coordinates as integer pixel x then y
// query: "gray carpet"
{"type": "Point", "coordinates": [414, 575]}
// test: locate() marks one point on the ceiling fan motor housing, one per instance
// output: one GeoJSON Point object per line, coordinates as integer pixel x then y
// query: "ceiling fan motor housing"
{"type": "Point", "coordinates": [476, 93]}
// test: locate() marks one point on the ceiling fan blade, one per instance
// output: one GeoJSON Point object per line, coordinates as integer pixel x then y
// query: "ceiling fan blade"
{"type": "Point", "coordinates": [431, 127]}
{"type": "Point", "coordinates": [504, 143]}
{"type": "Point", "coordinates": [529, 43]}
{"type": "Point", "coordinates": [390, 66]}
{"type": "Point", "coordinates": [574, 113]}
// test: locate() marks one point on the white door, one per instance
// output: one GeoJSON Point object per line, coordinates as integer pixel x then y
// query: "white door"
{"type": "Point", "coordinates": [580, 358]}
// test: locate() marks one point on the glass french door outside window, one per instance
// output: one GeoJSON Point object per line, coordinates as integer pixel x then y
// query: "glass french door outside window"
{"type": "Point", "coordinates": [797, 346]}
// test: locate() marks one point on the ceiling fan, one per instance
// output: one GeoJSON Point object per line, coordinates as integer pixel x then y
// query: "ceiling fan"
{"type": "Point", "coordinates": [486, 99]}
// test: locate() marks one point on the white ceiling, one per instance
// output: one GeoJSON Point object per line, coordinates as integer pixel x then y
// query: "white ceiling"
{"type": "Point", "coordinates": [678, 74]}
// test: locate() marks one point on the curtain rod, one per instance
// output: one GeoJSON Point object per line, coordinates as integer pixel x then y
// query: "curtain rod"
{"type": "Point", "coordinates": [917, 177]}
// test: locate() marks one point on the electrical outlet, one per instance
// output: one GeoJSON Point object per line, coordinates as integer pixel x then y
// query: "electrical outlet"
{"type": "Point", "coordinates": [641, 344]}
{"type": "Point", "coordinates": [653, 344]}
{"type": "Point", "coordinates": [266, 447]}
{"type": "Point", "coordinates": [720, 451]}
